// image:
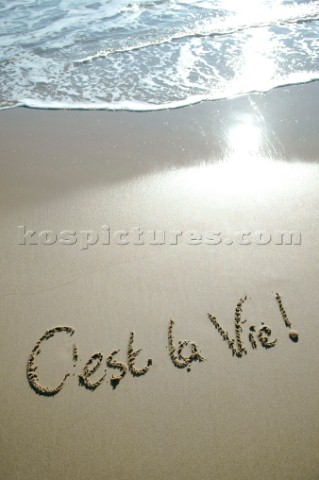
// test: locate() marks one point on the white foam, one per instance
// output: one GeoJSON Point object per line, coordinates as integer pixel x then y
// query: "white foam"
{"type": "Point", "coordinates": [220, 26]}
{"type": "Point", "coordinates": [137, 106]}
{"type": "Point", "coordinates": [152, 55]}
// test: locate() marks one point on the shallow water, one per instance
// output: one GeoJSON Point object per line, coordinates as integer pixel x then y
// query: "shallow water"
{"type": "Point", "coordinates": [148, 55]}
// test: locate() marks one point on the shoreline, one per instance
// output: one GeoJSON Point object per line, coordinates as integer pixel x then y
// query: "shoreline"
{"type": "Point", "coordinates": [135, 106]}
{"type": "Point", "coordinates": [83, 147]}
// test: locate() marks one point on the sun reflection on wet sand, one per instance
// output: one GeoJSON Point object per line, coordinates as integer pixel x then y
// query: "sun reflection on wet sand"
{"type": "Point", "coordinates": [250, 164]}
{"type": "Point", "coordinates": [245, 139]}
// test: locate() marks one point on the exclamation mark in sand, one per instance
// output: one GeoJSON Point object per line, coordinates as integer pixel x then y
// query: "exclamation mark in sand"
{"type": "Point", "coordinates": [75, 355]}
{"type": "Point", "coordinates": [293, 334]}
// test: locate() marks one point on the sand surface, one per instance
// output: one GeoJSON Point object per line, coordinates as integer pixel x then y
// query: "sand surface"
{"type": "Point", "coordinates": [243, 166]}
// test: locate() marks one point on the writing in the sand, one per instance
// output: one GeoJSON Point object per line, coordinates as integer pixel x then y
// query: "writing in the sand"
{"type": "Point", "coordinates": [179, 358]}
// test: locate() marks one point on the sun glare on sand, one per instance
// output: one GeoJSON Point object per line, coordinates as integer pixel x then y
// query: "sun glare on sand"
{"type": "Point", "coordinates": [244, 138]}
{"type": "Point", "coordinates": [246, 168]}
{"type": "Point", "coordinates": [247, 176]}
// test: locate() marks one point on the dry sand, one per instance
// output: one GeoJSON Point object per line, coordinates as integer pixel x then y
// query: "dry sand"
{"type": "Point", "coordinates": [244, 165]}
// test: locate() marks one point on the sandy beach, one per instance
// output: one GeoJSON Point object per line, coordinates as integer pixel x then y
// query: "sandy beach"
{"type": "Point", "coordinates": [226, 182]}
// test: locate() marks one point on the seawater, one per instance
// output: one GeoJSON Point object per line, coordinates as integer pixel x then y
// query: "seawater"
{"type": "Point", "coordinates": [152, 55]}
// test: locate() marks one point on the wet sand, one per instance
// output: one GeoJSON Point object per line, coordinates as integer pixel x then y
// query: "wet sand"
{"type": "Point", "coordinates": [205, 408]}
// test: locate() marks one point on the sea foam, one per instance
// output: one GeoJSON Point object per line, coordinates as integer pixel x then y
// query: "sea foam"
{"type": "Point", "coordinates": [152, 55]}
